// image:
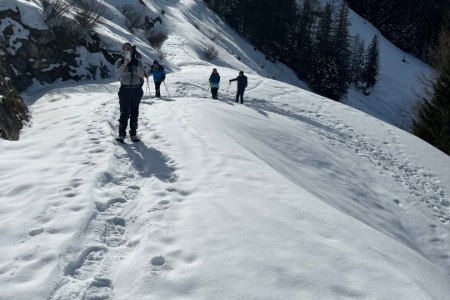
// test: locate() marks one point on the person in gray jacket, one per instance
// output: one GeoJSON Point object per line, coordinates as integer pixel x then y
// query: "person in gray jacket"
{"type": "Point", "coordinates": [131, 73]}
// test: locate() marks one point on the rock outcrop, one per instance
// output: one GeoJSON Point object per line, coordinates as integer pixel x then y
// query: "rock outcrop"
{"type": "Point", "coordinates": [31, 55]}
{"type": "Point", "coordinates": [13, 111]}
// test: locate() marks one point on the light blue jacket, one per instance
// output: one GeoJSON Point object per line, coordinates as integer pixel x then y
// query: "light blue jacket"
{"type": "Point", "coordinates": [214, 80]}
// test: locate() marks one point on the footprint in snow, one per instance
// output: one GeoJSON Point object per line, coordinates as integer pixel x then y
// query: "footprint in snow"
{"type": "Point", "coordinates": [101, 207]}
{"type": "Point", "coordinates": [132, 192]}
{"type": "Point", "coordinates": [114, 234]}
{"type": "Point", "coordinates": [99, 288]}
{"type": "Point", "coordinates": [158, 261]}
{"type": "Point", "coordinates": [36, 231]}
{"type": "Point", "coordinates": [162, 205]}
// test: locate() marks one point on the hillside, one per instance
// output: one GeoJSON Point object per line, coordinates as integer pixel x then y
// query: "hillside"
{"type": "Point", "coordinates": [288, 196]}
{"type": "Point", "coordinates": [191, 27]}
{"type": "Point", "coordinates": [393, 97]}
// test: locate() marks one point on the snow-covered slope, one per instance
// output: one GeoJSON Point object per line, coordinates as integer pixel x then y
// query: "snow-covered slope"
{"type": "Point", "coordinates": [289, 196]}
{"type": "Point", "coordinates": [192, 27]}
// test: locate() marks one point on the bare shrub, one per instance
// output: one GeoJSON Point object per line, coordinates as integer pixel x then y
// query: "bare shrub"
{"type": "Point", "coordinates": [156, 37]}
{"type": "Point", "coordinates": [87, 14]}
{"type": "Point", "coordinates": [133, 16]}
{"type": "Point", "coordinates": [58, 16]}
{"type": "Point", "coordinates": [210, 52]}
{"type": "Point", "coordinates": [55, 12]}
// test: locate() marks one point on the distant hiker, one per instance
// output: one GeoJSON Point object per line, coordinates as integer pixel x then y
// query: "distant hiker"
{"type": "Point", "coordinates": [214, 81]}
{"type": "Point", "coordinates": [241, 85]}
{"type": "Point", "coordinates": [131, 73]}
{"type": "Point", "coordinates": [159, 75]}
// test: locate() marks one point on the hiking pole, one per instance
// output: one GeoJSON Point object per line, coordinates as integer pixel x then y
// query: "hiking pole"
{"type": "Point", "coordinates": [148, 89]}
{"type": "Point", "coordinates": [207, 88]}
{"type": "Point", "coordinates": [227, 90]}
{"type": "Point", "coordinates": [166, 88]}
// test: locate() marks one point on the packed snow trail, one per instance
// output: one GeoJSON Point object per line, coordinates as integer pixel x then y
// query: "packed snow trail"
{"type": "Point", "coordinates": [280, 192]}
{"type": "Point", "coordinates": [104, 236]}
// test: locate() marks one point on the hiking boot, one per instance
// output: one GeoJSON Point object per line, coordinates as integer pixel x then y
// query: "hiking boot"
{"type": "Point", "coordinates": [120, 139]}
{"type": "Point", "coordinates": [135, 139]}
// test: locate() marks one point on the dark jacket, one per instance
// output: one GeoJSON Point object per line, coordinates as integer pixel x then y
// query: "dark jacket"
{"type": "Point", "coordinates": [241, 82]}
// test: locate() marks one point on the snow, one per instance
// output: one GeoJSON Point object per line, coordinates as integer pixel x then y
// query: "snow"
{"type": "Point", "coordinates": [288, 196]}
{"type": "Point", "coordinates": [30, 12]}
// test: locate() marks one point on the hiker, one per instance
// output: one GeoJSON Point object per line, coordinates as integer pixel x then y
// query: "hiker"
{"type": "Point", "coordinates": [131, 73]}
{"type": "Point", "coordinates": [214, 80]}
{"type": "Point", "coordinates": [241, 85]}
{"type": "Point", "coordinates": [159, 75]}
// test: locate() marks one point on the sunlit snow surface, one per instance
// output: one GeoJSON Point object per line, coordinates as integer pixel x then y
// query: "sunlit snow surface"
{"type": "Point", "coordinates": [288, 196]}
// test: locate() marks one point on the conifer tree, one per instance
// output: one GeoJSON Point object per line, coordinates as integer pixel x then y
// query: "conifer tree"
{"type": "Point", "coordinates": [304, 36]}
{"type": "Point", "coordinates": [341, 47]}
{"type": "Point", "coordinates": [432, 122]}
{"type": "Point", "coordinates": [323, 77]}
{"type": "Point", "coordinates": [371, 65]}
{"type": "Point", "coordinates": [412, 25]}
{"type": "Point", "coordinates": [323, 71]}
{"type": "Point", "coordinates": [323, 36]}
{"type": "Point", "coordinates": [357, 61]}
{"type": "Point", "coordinates": [285, 15]}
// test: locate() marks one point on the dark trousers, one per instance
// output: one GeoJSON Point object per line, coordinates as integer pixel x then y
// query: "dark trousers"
{"type": "Point", "coordinates": [240, 94]}
{"type": "Point", "coordinates": [129, 99]}
{"type": "Point", "coordinates": [214, 92]}
{"type": "Point", "coordinates": [157, 88]}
